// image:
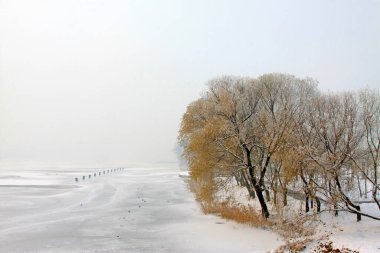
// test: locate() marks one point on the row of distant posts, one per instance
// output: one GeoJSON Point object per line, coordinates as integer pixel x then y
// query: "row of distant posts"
{"type": "Point", "coordinates": [104, 172]}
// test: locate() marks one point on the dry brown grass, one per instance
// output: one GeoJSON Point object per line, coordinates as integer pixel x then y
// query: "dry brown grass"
{"type": "Point", "coordinates": [300, 226]}
{"type": "Point", "coordinates": [228, 209]}
{"type": "Point", "coordinates": [294, 246]}
{"type": "Point", "coordinates": [233, 211]}
{"type": "Point", "coordinates": [204, 191]}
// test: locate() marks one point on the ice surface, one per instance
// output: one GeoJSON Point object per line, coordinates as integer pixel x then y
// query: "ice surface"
{"type": "Point", "coordinates": [135, 210]}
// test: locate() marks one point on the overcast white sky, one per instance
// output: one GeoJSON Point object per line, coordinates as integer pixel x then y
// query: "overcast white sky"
{"type": "Point", "coordinates": [101, 83]}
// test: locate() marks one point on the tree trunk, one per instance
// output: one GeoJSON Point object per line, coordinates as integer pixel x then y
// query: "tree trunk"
{"type": "Point", "coordinates": [348, 201]}
{"type": "Point", "coordinates": [307, 204]}
{"type": "Point", "coordinates": [360, 188]}
{"type": "Point", "coordinates": [274, 189]}
{"type": "Point", "coordinates": [251, 193]}
{"type": "Point", "coordinates": [318, 204]}
{"type": "Point", "coordinates": [267, 195]}
{"type": "Point", "coordinates": [284, 197]}
{"type": "Point", "coordinates": [258, 190]}
{"type": "Point", "coordinates": [248, 185]}
{"type": "Point", "coordinates": [275, 197]}
{"type": "Point", "coordinates": [264, 208]}
{"type": "Point", "coordinates": [365, 186]}
{"type": "Point", "coordinates": [358, 215]}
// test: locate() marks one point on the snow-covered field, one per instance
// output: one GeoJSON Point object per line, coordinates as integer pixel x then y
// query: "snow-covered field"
{"type": "Point", "coordinates": [363, 236]}
{"type": "Point", "coordinates": [130, 210]}
{"type": "Point", "coordinates": [343, 231]}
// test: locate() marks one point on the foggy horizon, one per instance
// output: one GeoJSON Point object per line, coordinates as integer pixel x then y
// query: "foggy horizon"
{"type": "Point", "coordinates": [105, 83]}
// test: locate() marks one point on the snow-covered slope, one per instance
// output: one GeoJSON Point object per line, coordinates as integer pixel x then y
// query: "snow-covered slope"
{"type": "Point", "coordinates": [344, 231]}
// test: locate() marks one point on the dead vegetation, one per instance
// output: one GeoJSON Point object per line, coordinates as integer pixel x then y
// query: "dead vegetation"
{"type": "Point", "coordinates": [327, 247]}
{"type": "Point", "coordinates": [300, 226]}
{"type": "Point", "coordinates": [294, 246]}
{"type": "Point", "coordinates": [239, 213]}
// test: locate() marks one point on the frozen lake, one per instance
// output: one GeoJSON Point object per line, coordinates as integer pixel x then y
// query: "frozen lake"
{"type": "Point", "coordinates": [130, 210]}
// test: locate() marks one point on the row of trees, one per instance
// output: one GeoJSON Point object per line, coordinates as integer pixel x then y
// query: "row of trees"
{"type": "Point", "coordinates": [278, 134]}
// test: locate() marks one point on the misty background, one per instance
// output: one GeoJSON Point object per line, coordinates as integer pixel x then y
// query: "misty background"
{"type": "Point", "coordinates": [105, 83]}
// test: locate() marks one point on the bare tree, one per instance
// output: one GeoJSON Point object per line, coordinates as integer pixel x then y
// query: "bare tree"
{"type": "Point", "coordinates": [334, 121]}
{"type": "Point", "coordinates": [370, 161]}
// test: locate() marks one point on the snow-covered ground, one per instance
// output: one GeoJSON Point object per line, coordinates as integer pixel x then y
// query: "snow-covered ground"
{"type": "Point", "coordinates": [343, 231]}
{"type": "Point", "coordinates": [134, 210]}
{"type": "Point", "coordinates": [363, 236]}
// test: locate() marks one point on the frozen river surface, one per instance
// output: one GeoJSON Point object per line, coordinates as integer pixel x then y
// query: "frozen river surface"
{"type": "Point", "coordinates": [130, 210]}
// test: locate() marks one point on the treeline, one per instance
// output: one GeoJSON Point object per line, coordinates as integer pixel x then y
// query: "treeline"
{"type": "Point", "coordinates": [277, 134]}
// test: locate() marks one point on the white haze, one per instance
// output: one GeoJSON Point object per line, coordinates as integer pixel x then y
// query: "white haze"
{"type": "Point", "coordinates": [101, 83]}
